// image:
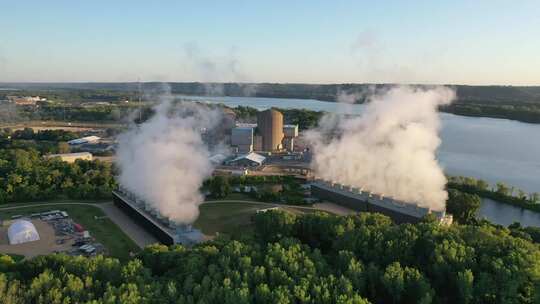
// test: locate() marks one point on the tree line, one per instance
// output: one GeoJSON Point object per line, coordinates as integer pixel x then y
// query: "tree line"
{"type": "Point", "coordinates": [261, 188]}
{"type": "Point", "coordinates": [30, 134]}
{"type": "Point", "coordinates": [500, 192]}
{"type": "Point", "coordinates": [25, 175]}
{"type": "Point", "coordinates": [312, 258]}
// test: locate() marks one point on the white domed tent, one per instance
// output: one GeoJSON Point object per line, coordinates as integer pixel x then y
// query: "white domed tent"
{"type": "Point", "coordinates": [22, 231]}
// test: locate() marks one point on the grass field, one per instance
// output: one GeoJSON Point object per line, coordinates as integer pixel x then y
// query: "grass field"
{"type": "Point", "coordinates": [103, 229]}
{"type": "Point", "coordinates": [231, 218]}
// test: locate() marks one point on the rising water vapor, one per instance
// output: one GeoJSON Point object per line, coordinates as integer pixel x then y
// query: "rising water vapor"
{"type": "Point", "coordinates": [164, 160]}
{"type": "Point", "coordinates": [389, 149]}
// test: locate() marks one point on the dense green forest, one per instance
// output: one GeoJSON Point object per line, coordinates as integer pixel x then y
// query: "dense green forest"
{"type": "Point", "coordinates": [315, 258]}
{"type": "Point", "coordinates": [25, 175]}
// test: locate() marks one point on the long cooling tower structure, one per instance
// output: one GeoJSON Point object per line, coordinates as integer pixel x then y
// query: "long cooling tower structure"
{"type": "Point", "coordinates": [364, 201]}
{"type": "Point", "coordinates": [165, 230]}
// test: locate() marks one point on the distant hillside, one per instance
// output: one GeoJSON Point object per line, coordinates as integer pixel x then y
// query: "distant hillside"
{"type": "Point", "coordinates": [509, 95]}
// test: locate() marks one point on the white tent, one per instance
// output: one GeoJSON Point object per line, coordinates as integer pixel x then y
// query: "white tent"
{"type": "Point", "coordinates": [22, 231]}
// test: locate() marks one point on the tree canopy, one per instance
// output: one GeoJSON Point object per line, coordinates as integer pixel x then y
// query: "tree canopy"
{"type": "Point", "coordinates": [314, 258]}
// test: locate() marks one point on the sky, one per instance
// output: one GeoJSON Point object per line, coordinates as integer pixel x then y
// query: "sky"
{"type": "Point", "coordinates": [436, 42]}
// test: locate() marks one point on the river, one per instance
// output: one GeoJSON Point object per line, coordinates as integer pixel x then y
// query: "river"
{"type": "Point", "coordinates": [496, 150]}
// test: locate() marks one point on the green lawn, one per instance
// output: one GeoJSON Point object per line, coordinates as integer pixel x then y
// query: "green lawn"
{"type": "Point", "coordinates": [104, 230]}
{"type": "Point", "coordinates": [231, 218]}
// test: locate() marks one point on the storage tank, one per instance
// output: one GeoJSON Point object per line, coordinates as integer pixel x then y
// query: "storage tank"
{"type": "Point", "coordinates": [270, 124]}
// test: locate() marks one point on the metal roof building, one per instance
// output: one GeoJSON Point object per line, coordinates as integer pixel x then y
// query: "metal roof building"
{"type": "Point", "coordinates": [250, 159]}
{"type": "Point", "coordinates": [84, 140]}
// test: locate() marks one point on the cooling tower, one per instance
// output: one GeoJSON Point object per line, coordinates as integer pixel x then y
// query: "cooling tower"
{"type": "Point", "coordinates": [270, 124]}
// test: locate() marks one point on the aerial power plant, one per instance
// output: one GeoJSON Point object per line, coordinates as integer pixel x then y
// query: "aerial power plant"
{"type": "Point", "coordinates": [268, 135]}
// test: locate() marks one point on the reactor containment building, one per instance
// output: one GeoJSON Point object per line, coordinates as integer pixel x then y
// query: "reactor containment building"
{"type": "Point", "coordinates": [365, 201]}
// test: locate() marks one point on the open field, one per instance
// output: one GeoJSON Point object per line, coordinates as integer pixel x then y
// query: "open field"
{"type": "Point", "coordinates": [234, 217]}
{"type": "Point", "coordinates": [94, 220]}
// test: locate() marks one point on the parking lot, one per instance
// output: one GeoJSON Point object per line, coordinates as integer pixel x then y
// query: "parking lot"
{"type": "Point", "coordinates": [57, 233]}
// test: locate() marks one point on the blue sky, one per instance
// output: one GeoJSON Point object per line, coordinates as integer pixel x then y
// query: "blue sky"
{"type": "Point", "coordinates": [457, 42]}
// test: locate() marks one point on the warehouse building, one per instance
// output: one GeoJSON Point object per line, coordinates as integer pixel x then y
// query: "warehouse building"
{"type": "Point", "coordinates": [85, 140]}
{"type": "Point", "coordinates": [248, 160]}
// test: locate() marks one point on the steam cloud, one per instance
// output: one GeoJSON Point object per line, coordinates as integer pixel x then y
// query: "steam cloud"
{"type": "Point", "coordinates": [389, 149]}
{"type": "Point", "coordinates": [164, 161]}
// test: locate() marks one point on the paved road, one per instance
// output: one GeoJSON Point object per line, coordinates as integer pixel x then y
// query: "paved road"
{"type": "Point", "coordinates": [142, 238]}
{"type": "Point", "coordinates": [136, 232]}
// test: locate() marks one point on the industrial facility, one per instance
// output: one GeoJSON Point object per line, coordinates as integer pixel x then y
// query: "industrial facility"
{"type": "Point", "coordinates": [251, 159]}
{"type": "Point", "coordinates": [270, 125]}
{"type": "Point", "coordinates": [242, 139]}
{"type": "Point", "coordinates": [165, 230]}
{"type": "Point", "coordinates": [269, 134]}
{"type": "Point", "coordinates": [365, 201]}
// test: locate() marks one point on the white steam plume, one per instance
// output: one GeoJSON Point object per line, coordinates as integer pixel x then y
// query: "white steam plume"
{"type": "Point", "coordinates": [164, 161]}
{"type": "Point", "coordinates": [389, 149]}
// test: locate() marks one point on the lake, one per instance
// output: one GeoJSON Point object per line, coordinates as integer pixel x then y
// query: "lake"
{"type": "Point", "coordinates": [487, 148]}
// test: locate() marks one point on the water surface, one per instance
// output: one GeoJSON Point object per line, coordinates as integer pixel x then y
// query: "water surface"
{"type": "Point", "coordinates": [488, 148]}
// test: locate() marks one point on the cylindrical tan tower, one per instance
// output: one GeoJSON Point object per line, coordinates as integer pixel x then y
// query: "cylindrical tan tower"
{"type": "Point", "coordinates": [270, 124]}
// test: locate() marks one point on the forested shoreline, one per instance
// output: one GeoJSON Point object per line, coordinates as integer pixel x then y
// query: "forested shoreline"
{"type": "Point", "coordinates": [508, 102]}
{"type": "Point", "coordinates": [315, 258]}
{"type": "Point", "coordinates": [500, 192]}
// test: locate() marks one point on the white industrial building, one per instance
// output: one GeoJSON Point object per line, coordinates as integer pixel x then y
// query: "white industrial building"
{"type": "Point", "coordinates": [217, 159]}
{"type": "Point", "coordinates": [248, 160]}
{"type": "Point", "coordinates": [85, 140]}
{"type": "Point", "coordinates": [22, 231]}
